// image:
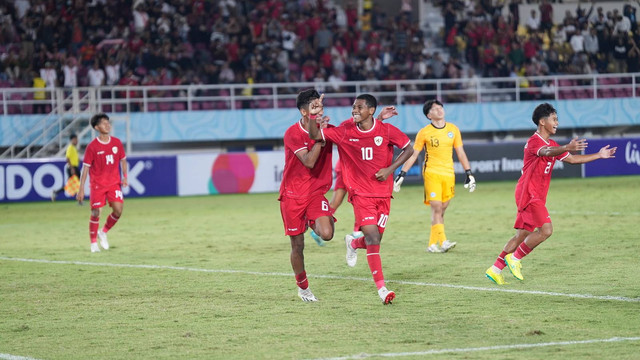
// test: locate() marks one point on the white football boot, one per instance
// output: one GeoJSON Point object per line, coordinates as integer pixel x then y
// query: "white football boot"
{"type": "Point", "coordinates": [448, 245]}
{"type": "Point", "coordinates": [103, 240]}
{"type": "Point", "coordinates": [306, 295]}
{"type": "Point", "coordinates": [386, 295]}
{"type": "Point", "coordinates": [352, 255]}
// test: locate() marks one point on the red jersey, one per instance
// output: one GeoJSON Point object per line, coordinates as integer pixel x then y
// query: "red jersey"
{"type": "Point", "coordinates": [363, 153]}
{"type": "Point", "coordinates": [103, 160]}
{"type": "Point", "coordinates": [298, 181]}
{"type": "Point", "coordinates": [536, 172]}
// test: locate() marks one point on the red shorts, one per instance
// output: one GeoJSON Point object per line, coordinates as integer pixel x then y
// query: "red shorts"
{"type": "Point", "coordinates": [532, 216]}
{"type": "Point", "coordinates": [370, 211]}
{"type": "Point", "coordinates": [298, 214]}
{"type": "Point", "coordinates": [100, 196]}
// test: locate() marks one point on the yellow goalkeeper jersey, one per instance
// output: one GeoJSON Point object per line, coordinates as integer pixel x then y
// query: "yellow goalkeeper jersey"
{"type": "Point", "coordinates": [438, 144]}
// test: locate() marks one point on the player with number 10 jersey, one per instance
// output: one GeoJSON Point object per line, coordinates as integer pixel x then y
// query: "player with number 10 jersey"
{"type": "Point", "coordinates": [363, 153]}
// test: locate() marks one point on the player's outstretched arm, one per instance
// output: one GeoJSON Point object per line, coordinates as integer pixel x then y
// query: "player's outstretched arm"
{"type": "Point", "coordinates": [604, 153]}
{"type": "Point", "coordinates": [573, 146]}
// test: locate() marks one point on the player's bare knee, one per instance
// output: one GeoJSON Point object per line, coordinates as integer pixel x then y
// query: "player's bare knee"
{"type": "Point", "coordinates": [326, 235]}
{"type": "Point", "coordinates": [372, 240]}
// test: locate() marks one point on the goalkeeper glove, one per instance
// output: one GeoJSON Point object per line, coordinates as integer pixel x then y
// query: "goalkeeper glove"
{"type": "Point", "coordinates": [397, 182]}
{"type": "Point", "coordinates": [470, 181]}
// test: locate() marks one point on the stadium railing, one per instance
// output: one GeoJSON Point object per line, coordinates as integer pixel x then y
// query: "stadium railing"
{"type": "Point", "coordinates": [282, 95]}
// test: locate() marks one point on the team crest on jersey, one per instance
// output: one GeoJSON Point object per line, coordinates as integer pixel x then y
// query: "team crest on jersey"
{"type": "Point", "coordinates": [377, 140]}
{"type": "Point", "coordinates": [114, 149]}
{"type": "Point", "coordinates": [450, 134]}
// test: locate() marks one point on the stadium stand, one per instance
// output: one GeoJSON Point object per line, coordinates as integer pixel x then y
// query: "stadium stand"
{"type": "Point", "coordinates": [155, 44]}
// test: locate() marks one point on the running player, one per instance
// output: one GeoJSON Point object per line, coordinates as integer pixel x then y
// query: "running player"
{"type": "Point", "coordinates": [533, 223]}
{"type": "Point", "coordinates": [366, 152]}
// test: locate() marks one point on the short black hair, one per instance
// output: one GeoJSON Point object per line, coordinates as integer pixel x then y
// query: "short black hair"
{"type": "Point", "coordinates": [369, 99]}
{"type": "Point", "coordinates": [305, 97]}
{"type": "Point", "coordinates": [73, 136]}
{"type": "Point", "coordinates": [542, 111]}
{"type": "Point", "coordinates": [428, 104]}
{"type": "Point", "coordinates": [95, 119]}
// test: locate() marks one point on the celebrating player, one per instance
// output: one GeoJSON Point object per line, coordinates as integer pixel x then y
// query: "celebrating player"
{"type": "Point", "coordinates": [340, 189]}
{"type": "Point", "coordinates": [306, 179]}
{"type": "Point", "coordinates": [438, 140]}
{"type": "Point", "coordinates": [366, 146]}
{"type": "Point", "coordinates": [103, 159]}
{"type": "Point", "coordinates": [533, 224]}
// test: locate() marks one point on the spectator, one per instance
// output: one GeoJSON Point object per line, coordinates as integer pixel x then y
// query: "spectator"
{"type": "Point", "coordinates": [633, 56]}
{"type": "Point", "coordinates": [70, 70]}
{"type": "Point", "coordinates": [620, 55]}
{"type": "Point", "coordinates": [548, 90]}
{"type": "Point", "coordinates": [437, 65]}
{"type": "Point", "coordinates": [140, 18]}
{"type": "Point", "coordinates": [533, 22]}
{"type": "Point", "coordinates": [96, 75]}
{"type": "Point", "coordinates": [112, 71]}
{"type": "Point", "coordinates": [622, 26]}
{"type": "Point", "coordinates": [577, 42]}
{"type": "Point", "coordinates": [226, 74]}
{"type": "Point", "coordinates": [591, 43]}
{"type": "Point", "coordinates": [49, 75]}
{"type": "Point", "coordinates": [40, 94]}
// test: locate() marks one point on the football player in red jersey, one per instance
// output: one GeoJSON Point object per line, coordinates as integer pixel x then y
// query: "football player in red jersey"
{"type": "Point", "coordinates": [306, 178]}
{"type": "Point", "coordinates": [366, 147]}
{"type": "Point", "coordinates": [533, 223]}
{"type": "Point", "coordinates": [103, 159]}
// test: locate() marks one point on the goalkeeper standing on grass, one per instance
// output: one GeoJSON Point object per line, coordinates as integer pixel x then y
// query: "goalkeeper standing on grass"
{"type": "Point", "coordinates": [438, 140]}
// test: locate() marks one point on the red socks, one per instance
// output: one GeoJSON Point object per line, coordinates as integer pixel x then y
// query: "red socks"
{"type": "Point", "coordinates": [94, 222]}
{"type": "Point", "coordinates": [111, 220]}
{"type": "Point", "coordinates": [375, 264]}
{"type": "Point", "coordinates": [301, 280]}
{"type": "Point", "coordinates": [522, 251]}
{"type": "Point", "coordinates": [500, 264]}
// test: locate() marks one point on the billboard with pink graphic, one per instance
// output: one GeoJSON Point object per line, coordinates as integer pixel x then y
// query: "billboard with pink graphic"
{"type": "Point", "coordinates": [229, 173]}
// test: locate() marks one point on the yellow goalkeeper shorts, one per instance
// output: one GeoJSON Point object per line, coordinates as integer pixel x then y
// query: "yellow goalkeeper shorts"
{"type": "Point", "coordinates": [439, 187]}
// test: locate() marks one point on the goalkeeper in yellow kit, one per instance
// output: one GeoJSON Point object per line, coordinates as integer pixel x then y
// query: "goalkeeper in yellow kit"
{"type": "Point", "coordinates": [438, 140]}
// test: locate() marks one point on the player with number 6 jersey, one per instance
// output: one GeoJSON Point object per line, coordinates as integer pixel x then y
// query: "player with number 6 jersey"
{"type": "Point", "coordinates": [306, 178]}
{"type": "Point", "coordinates": [103, 159]}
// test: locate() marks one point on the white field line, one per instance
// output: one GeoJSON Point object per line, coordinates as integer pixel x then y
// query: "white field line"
{"type": "Point", "coordinates": [484, 348]}
{"type": "Point", "coordinates": [14, 357]}
{"type": "Point", "coordinates": [333, 277]}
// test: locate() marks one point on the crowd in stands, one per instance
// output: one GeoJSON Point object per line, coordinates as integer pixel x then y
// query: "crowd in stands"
{"type": "Point", "coordinates": [49, 43]}
{"type": "Point", "coordinates": [587, 41]}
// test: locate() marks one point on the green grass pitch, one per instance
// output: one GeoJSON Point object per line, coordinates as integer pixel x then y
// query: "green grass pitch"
{"type": "Point", "coordinates": [209, 278]}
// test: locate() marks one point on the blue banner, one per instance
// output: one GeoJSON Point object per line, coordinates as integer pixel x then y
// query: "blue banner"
{"type": "Point", "coordinates": [626, 162]}
{"type": "Point", "coordinates": [35, 180]}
